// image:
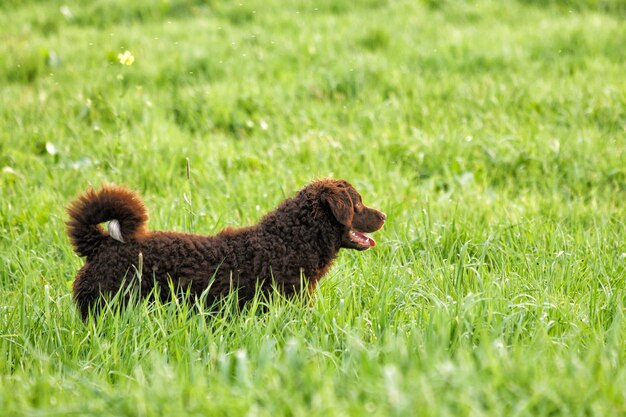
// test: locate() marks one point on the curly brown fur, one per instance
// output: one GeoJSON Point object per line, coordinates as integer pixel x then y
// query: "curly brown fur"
{"type": "Point", "coordinates": [297, 241]}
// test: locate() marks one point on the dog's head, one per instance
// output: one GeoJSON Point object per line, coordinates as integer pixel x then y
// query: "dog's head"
{"type": "Point", "coordinates": [339, 201]}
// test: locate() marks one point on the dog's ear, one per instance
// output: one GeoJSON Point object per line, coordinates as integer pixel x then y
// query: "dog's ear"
{"type": "Point", "coordinates": [340, 205]}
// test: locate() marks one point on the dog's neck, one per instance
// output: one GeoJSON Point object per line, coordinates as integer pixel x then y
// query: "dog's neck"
{"type": "Point", "coordinates": [306, 227]}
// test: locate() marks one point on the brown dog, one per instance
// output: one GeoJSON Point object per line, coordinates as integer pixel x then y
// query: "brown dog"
{"type": "Point", "coordinates": [291, 246]}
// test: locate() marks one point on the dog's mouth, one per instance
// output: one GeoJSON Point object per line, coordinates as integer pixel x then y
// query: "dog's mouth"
{"type": "Point", "coordinates": [358, 240]}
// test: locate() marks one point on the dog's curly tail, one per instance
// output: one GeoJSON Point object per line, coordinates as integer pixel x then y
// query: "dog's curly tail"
{"type": "Point", "coordinates": [121, 207]}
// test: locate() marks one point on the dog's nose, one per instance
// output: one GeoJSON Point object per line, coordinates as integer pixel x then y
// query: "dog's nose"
{"type": "Point", "coordinates": [383, 215]}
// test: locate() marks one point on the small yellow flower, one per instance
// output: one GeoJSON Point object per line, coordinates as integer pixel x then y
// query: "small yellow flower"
{"type": "Point", "coordinates": [126, 58]}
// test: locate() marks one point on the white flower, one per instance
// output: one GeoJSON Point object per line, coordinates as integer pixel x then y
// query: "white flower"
{"type": "Point", "coordinates": [126, 58]}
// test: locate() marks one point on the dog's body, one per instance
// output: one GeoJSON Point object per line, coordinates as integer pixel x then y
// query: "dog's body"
{"type": "Point", "coordinates": [290, 247]}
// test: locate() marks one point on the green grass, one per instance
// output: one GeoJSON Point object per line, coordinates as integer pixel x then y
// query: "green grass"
{"type": "Point", "coordinates": [493, 134]}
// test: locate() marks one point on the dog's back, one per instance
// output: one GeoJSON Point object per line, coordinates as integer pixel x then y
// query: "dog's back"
{"type": "Point", "coordinates": [128, 256]}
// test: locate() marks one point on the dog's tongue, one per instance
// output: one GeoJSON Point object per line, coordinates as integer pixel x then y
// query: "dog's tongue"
{"type": "Point", "coordinates": [366, 238]}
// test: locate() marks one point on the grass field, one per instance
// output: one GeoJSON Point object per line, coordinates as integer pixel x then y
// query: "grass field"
{"type": "Point", "coordinates": [493, 134]}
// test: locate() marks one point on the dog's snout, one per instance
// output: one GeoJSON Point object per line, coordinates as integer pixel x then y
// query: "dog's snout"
{"type": "Point", "coordinates": [383, 215]}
